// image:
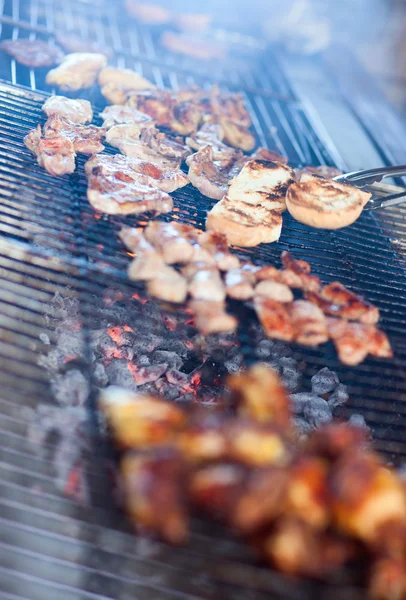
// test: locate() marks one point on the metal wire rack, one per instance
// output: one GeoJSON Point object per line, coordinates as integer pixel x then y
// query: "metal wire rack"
{"type": "Point", "coordinates": [52, 241]}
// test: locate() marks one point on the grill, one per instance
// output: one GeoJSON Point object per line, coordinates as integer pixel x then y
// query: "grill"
{"type": "Point", "coordinates": [52, 242]}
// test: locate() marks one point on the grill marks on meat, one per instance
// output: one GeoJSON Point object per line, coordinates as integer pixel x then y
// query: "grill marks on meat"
{"type": "Point", "coordinates": [77, 71]}
{"type": "Point", "coordinates": [209, 176]}
{"type": "Point", "coordinates": [307, 509]}
{"type": "Point", "coordinates": [86, 139]}
{"type": "Point", "coordinates": [77, 111]}
{"type": "Point", "coordinates": [32, 53]}
{"type": "Point", "coordinates": [56, 154]}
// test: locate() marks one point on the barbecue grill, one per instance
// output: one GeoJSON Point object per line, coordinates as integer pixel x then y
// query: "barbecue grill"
{"type": "Point", "coordinates": [52, 242]}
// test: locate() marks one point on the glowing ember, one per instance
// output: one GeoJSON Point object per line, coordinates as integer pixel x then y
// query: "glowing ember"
{"type": "Point", "coordinates": [138, 297]}
{"type": "Point", "coordinates": [110, 297]}
{"type": "Point", "coordinates": [118, 336]}
{"type": "Point", "coordinates": [169, 322]}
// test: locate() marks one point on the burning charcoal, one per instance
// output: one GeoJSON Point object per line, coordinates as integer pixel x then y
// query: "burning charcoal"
{"type": "Point", "coordinates": [358, 421]}
{"type": "Point", "coordinates": [119, 373]}
{"type": "Point", "coordinates": [70, 389]}
{"type": "Point", "coordinates": [143, 360]}
{"type": "Point", "coordinates": [167, 390]}
{"type": "Point", "coordinates": [44, 339]}
{"type": "Point", "coordinates": [71, 345]}
{"type": "Point", "coordinates": [146, 344]}
{"type": "Point", "coordinates": [299, 401]}
{"type": "Point", "coordinates": [52, 361]}
{"type": "Point", "coordinates": [176, 377]}
{"type": "Point", "coordinates": [289, 363]}
{"type": "Point", "coordinates": [187, 398]}
{"type": "Point", "coordinates": [264, 349]}
{"type": "Point", "coordinates": [122, 336]}
{"type": "Point", "coordinates": [152, 311]}
{"type": "Point", "coordinates": [302, 425]}
{"type": "Point", "coordinates": [172, 359]}
{"type": "Point", "coordinates": [148, 374]}
{"type": "Point", "coordinates": [99, 375]}
{"type": "Point", "coordinates": [280, 349]}
{"type": "Point", "coordinates": [234, 363]}
{"type": "Point", "coordinates": [174, 345]}
{"type": "Point", "coordinates": [339, 396]}
{"type": "Point", "coordinates": [317, 412]}
{"type": "Point", "coordinates": [290, 378]}
{"type": "Point", "coordinates": [324, 381]}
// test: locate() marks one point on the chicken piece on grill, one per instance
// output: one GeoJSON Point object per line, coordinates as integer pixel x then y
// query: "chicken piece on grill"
{"type": "Point", "coordinates": [56, 155]}
{"type": "Point", "coordinates": [275, 318]}
{"type": "Point", "coordinates": [354, 341]}
{"type": "Point", "coordinates": [148, 12]}
{"type": "Point", "coordinates": [32, 53]}
{"type": "Point", "coordinates": [174, 240]}
{"type": "Point", "coordinates": [269, 155]}
{"type": "Point", "coordinates": [186, 118]}
{"type": "Point", "coordinates": [77, 111]}
{"type": "Point", "coordinates": [117, 83]}
{"type": "Point", "coordinates": [238, 136]}
{"type": "Point", "coordinates": [322, 171]}
{"type": "Point", "coordinates": [77, 71]}
{"type": "Point", "coordinates": [274, 290]}
{"type": "Point", "coordinates": [239, 284]}
{"type": "Point", "coordinates": [138, 420]}
{"type": "Point", "coordinates": [158, 104]}
{"type": "Point", "coordinates": [259, 395]}
{"type": "Point", "coordinates": [309, 323]}
{"type": "Point", "coordinates": [230, 106]}
{"type": "Point", "coordinates": [307, 495]}
{"type": "Point", "coordinates": [76, 43]}
{"type": "Point", "coordinates": [211, 134]}
{"type": "Point", "coordinates": [337, 301]}
{"type": "Point", "coordinates": [168, 285]}
{"type": "Point", "coordinates": [117, 114]}
{"type": "Point", "coordinates": [333, 440]}
{"type": "Point", "coordinates": [154, 493]}
{"type": "Point", "coordinates": [167, 179]}
{"type": "Point", "coordinates": [190, 45]}
{"type": "Point", "coordinates": [297, 274]}
{"type": "Point", "coordinates": [204, 282]}
{"type": "Point", "coordinates": [148, 261]}
{"type": "Point", "coordinates": [124, 194]}
{"type": "Point", "coordinates": [216, 244]}
{"type": "Point", "coordinates": [388, 579]}
{"type": "Point", "coordinates": [211, 317]}
{"type": "Point", "coordinates": [368, 501]}
{"type": "Point", "coordinates": [172, 148]}
{"type": "Point", "coordinates": [211, 177]}
{"type": "Point", "coordinates": [86, 139]}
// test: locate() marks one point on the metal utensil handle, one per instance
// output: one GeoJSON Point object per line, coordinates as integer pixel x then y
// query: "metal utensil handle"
{"type": "Point", "coordinates": [370, 176]}
{"type": "Point", "coordinates": [385, 201]}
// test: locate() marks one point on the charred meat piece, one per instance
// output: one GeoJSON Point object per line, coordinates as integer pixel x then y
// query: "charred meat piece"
{"type": "Point", "coordinates": [86, 139]}
{"type": "Point", "coordinates": [116, 84]}
{"type": "Point", "coordinates": [239, 284]}
{"type": "Point", "coordinates": [56, 155]}
{"type": "Point", "coordinates": [334, 440]}
{"type": "Point", "coordinates": [209, 176]}
{"type": "Point", "coordinates": [77, 111]}
{"type": "Point", "coordinates": [211, 317]}
{"type": "Point", "coordinates": [354, 341]}
{"type": "Point", "coordinates": [77, 71]}
{"type": "Point", "coordinates": [168, 285]}
{"type": "Point", "coordinates": [204, 282]}
{"type": "Point", "coordinates": [76, 43]}
{"type": "Point", "coordinates": [216, 244]}
{"type": "Point", "coordinates": [337, 301]}
{"type": "Point", "coordinates": [154, 494]}
{"type": "Point", "coordinates": [274, 318]}
{"type": "Point", "coordinates": [117, 115]}
{"type": "Point", "coordinates": [309, 323]}
{"type": "Point", "coordinates": [259, 395]}
{"type": "Point", "coordinates": [32, 53]}
{"type": "Point", "coordinates": [174, 240]}
{"type": "Point", "coordinates": [138, 420]}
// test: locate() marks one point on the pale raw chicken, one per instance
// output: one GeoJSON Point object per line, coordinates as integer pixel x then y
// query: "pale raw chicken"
{"type": "Point", "coordinates": [77, 111]}
{"type": "Point", "coordinates": [77, 71]}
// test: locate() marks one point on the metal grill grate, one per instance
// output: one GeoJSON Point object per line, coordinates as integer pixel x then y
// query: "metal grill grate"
{"type": "Point", "coordinates": [52, 241]}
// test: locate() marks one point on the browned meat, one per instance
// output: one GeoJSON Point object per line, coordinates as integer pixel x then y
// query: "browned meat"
{"type": "Point", "coordinates": [211, 177]}
{"type": "Point", "coordinates": [211, 317]}
{"type": "Point", "coordinates": [167, 284]}
{"type": "Point", "coordinates": [85, 138]}
{"type": "Point", "coordinates": [238, 136]}
{"type": "Point", "coordinates": [274, 318]}
{"type": "Point", "coordinates": [309, 323]}
{"type": "Point", "coordinates": [216, 244]}
{"type": "Point", "coordinates": [174, 240]}
{"type": "Point", "coordinates": [117, 115]}
{"type": "Point", "coordinates": [301, 269]}
{"type": "Point", "coordinates": [322, 171]}
{"type": "Point", "coordinates": [230, 106]}
{"type": "Point", "coordinates": [148, 261]}
{"type": "Point", "coordinates": [204, 282]}
{"type": "Point", "coordinates": [269, 155]}
{"type": "Point", "coordinates": [186, 117]}
{"type": "Point", "coordinates": [77, 71]}
{"type": "Point", "coordinates": [172, 148]}
{"type": "Point", "coordinates": [116, 84]}
{"type": "Point", "coordinates": [77, 111]}
{"type": "Point", "coordinates": [274, 290]}
{"type": "Point", "coordinates": [32, 53]}
{"type": "Point", "coordinates": [239, 284]}
{"type": "Point", "coordinates": [336, 300]}
{"type": "Point", "coordinates": [72, 42]}
{"type": "Point", "coordinates": [158, 104]}
{"type": "Point", "coordinates": [56, 155]}
{"type": "Point", "coordinates": [354, 341]}
{"type": "Point", "coordinates": [307, 493]}
{"type": "Point", "coordinates": [211, 134]}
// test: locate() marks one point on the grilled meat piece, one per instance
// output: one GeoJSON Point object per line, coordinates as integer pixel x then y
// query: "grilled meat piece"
{"type": "Point", "coordinates": [230, 106]}
{"type": "Point", "coordinates": [117, 115]}
{"type": "Point", "coordinates": [174, 240]}
{"type": "Point", "coordinates": [76, 43]}
{"type": "Point", "coordinates": [147, 12]}
{"type": "Point", "coordinates": [239, 284]}
{"type": "Point", "coordinates": [324, 203]}
{"type": "Point", "coordinates": [388, 579]}
{"type": "Point", "coordinates": [77, 111]}
{"type": "Point", "coordinates": [307, 496]}
{"type": "Point", "coordinates": [158, 104]}
{"type": "Point", "coordinates": [32, 53]}
{"type": "Point", "coordinates": [274, 290]}
{"type": "Point", "coordinates": [309, 323]}
{"type": "Point", "coordinates": [167, 179]}
{"type": "Point", "coordinates": [336, 300]}
{"type": "Point", "coordinates": [172, 148]}
{"type": "Point", "coordinates": [322, 171]}
{"type": "Point", "coordinates": [270, 155]}
{"type": "Point", "coordinates": [297, 273]}
{"type": "Point", "coordinates": [56, 155]}
{"type": "Point", "coordinates": [154, 495]}
{"type": "Point", "coordinates": [192, 46]}
{"type": "Point", "coordinates": [148, 261]}
{"type": "Point", "coordinates": [122, 194]}
{"type": "Point", "coordinates": [77, 71]}
{"type": "Point", "coordinates": [216, 244]}
{"type": "Point", "coordinates": [211, 317]}
{"type": "Point", "coordinates": [204, 282]}
{"type": "Point", "coordinates": [167, 284]}
{"type": "Point", "coordinates": [186, 118]}
{"type": "Point", "coordinates": [211, 177]}
{"type": "Point", "coordinates": [211, 134]}
{"type": "Point", "coordinates": [139, 420]}
{"type": "Point", "coordinates": [116, 84]}
{"type": "Point", "coordinates": [274, 318]}
{"type": "Point", "coordinates": [85, 138]}
{"type": "Point", "coordinates": [354, 341]}
{"type": "Point", "coordinates": [237, 135]}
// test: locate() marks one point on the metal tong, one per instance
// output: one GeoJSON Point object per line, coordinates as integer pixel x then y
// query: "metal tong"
{"type": "Point", "coordinates": [368, 177]}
